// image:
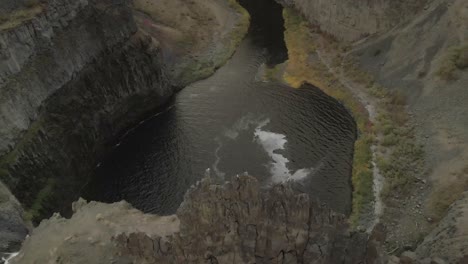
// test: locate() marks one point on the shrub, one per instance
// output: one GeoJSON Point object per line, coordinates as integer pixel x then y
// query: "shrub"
{"type": "Point", "coordinates": [456, 58]}
{"type": "Point", "coordinates": [447, 194]}
{"type": "Point", "coordinates": [3, 18]}
{"type": "Point", "coordinates": [462, 61]}
{"type": "Point", "coordinates": [397, 98]}
{"type": "Point", "coordinates": [31, 3]}
{"type": "Point", "coordinates": [389, 140]}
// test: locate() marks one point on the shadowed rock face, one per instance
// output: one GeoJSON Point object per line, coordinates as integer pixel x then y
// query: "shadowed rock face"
{"type": "Point", "coordinates": [231, 223]}
{"type": "Point", "coordinates": [69, 83]}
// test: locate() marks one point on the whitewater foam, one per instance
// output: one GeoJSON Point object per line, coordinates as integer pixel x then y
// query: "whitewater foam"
{"type": "Point", "coordinates": [272, 143]}
{"type": "Point", "coordinates": [10, 257]}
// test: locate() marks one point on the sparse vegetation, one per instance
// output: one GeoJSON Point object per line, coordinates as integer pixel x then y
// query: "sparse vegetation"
{"type": "Point", "coordinates": [300, 42]}
{"type": "Point", "coordinates": [455, 59]}
{"type": "Point", "coordinates": [34, 212]}
{"type": "Point", "coordinates": [32, 204]}
{"type": "Point", "coordinates": [3, 18]}
{"type": "Point", "coordinates": [399, 156]}
{"type": "Point", "coordinates": [17, 17]}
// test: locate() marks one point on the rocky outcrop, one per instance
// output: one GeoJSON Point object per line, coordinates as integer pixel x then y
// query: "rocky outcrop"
{"type": "Point", "coordinates": [449, 240]}
{"type": "Point", "coordinates": [197, 37]}
{"type": "Point", "coordinates": [231, 223]}
{"type": "Point", "coordinates": [351, 20]}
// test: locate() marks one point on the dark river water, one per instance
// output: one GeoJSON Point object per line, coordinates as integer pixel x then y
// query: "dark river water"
{"type": "Point", "coordinates": [232, 123]}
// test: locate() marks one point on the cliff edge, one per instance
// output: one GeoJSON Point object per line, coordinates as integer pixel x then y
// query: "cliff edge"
{"type": "Point", "coordinates": [231, 223]}
{"type": "Point", "coordinates": [234, 222]}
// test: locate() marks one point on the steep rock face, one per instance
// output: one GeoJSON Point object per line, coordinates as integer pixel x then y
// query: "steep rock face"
{"type": "Point", "coordinates": [69, 80]}
{"type": "Point", "coordinates": [351, 20]}
{"type": "Point", "coordinates": [27, 47]}
{"type": "Point", "coordinates": [231, 223]}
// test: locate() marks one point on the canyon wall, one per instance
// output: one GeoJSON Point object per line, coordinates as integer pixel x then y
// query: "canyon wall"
{"type": "Point", "coordinates": [350, 20]}
{"type": "Point", "coordinates": [69, 81]}
{"type": "Point", "coordinates": [73, 76]}
{"type": "Point", "coordinates": [234, 222]}
{"type": "Point", "coordinates": [417, 50]}
{"type": "Point", "coordinates": [423, 60]}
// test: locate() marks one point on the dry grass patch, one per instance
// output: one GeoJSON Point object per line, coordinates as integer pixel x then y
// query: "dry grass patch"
{"type": "Point", "coordinates": [455, 59]}
{"type": "Point", "coordinates": [446, 194]}
{"type": "Point", "coordinates": [17, 17]}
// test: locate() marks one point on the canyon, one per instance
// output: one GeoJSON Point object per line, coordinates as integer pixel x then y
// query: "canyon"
{"type": "Point", "coordinates": [71, 82]}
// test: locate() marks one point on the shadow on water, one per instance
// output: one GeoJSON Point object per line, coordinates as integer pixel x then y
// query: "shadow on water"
{"type": "Point", "coordinates": [234, 122]}
{"type": "Point", "coordinates": [267, 28]}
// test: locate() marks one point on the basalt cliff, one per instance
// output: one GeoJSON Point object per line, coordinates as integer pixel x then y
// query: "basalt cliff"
{"type": "Point", "coordinates": [232, 222]}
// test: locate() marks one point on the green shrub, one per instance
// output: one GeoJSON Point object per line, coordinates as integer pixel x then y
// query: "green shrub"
{"type": "Point", "coordinates": [34, 212]}
{"type": "Point", "coordinates": [455, 59]}
{"type": "Point", "coordinates": [390, 140]}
